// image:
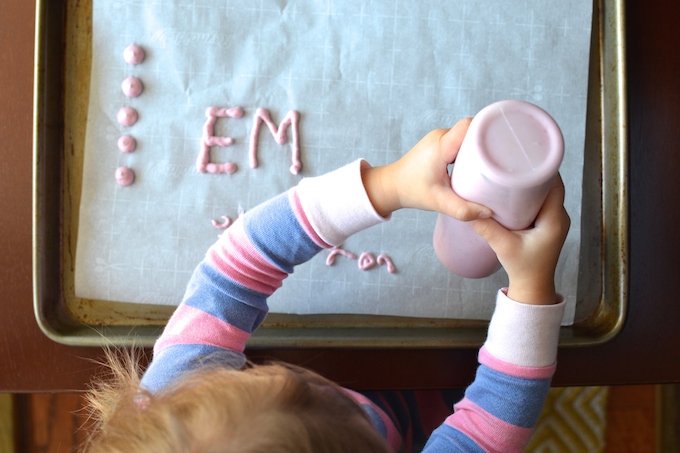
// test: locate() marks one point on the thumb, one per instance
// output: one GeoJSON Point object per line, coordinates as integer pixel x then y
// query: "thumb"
{"type": "Point", "coordinates": [452, 205]}
{"type": "Point", "coordinates": [451, 140]}
{"type": "Point", "coordinates": [492, 232]}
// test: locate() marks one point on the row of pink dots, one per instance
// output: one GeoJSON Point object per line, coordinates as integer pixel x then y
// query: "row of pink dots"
{"type": "Point", "coordinates": [127, 116]}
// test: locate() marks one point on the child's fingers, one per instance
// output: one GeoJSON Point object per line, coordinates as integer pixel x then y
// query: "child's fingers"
{"type": "Point", "coordinates": [557, 192]}
{"type": "Point", "coordinates": [552, 213]}
{"type": "Point", "coordinates": [450, 142]}
{"type": "Point", "coordinates": [552, 221]}
{"type": "Point", "coordinates": [449, 202]}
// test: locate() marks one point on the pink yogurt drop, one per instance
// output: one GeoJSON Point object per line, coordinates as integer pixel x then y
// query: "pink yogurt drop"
{"type": "Point", "coordinates": [133, 54]}
{"type": "Point", "coordinates": [124, 176]}
{"type": "Point", "coordinates": [127, 116]}
{"type": "Point", "coordinates": [132, 87]}
{"type": "Point", "coordinates": [127, 143]}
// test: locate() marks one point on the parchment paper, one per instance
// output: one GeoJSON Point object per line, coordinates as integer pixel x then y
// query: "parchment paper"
{"type": "Point", "coordinates": [369, 78]}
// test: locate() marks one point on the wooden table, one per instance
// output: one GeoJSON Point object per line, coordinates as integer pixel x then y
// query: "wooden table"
{"type": "Point", "coordinates": [647, 350]}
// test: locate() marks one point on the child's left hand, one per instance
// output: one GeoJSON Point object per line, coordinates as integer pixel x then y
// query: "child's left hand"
{"type": "Point", "coordinates": [420, 179]}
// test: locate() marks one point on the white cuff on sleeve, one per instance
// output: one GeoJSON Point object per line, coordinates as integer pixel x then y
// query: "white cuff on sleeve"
{"type": "Point", "coordinates": [336, 204]}
{"type": "Point", "coordinates": [524, 334]}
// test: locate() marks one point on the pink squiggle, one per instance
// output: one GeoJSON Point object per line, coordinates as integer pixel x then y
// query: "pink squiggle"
{"type": "Point", "coordinates": [366, 261]}
{"type": "Point", "coordinates": [383, 258]}
{"type": "Point", "coordinates": [330, 260]}
{"type": "Point", "coordinates": [208, 140]}
{"type": "Point", "coordinates": [279, 132]}
{"type": "Point", "coordinates": [222, 225]}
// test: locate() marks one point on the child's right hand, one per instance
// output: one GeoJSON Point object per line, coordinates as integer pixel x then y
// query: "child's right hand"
{"type": "Point", "coordinates": [530, 256]}
{"type": "Point", "coordinates": [420, 179]}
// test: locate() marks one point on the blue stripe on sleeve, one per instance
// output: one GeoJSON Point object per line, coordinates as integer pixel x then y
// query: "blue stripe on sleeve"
{"type": "Point", "coordinates": [446, 439]}
{"type": "Point", "coordinates": [514, 400]}
{"type": "Point", "coordinates": [173, 361]}
{"type": "Point", "coordinates": [276, 233]}
{"type": "Point", "coordinates": [376, 420]}
{"type": "Point", "coordinates": [211, 291]}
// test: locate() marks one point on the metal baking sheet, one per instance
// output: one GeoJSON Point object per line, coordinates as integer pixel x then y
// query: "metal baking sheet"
{"type": "Point", "coordinates": [63, 56]}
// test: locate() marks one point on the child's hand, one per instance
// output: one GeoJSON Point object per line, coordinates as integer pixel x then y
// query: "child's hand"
{"type": "Point", "coordinates": [530, 256]}
{"type": "Point", "coordinates": [420, 178]}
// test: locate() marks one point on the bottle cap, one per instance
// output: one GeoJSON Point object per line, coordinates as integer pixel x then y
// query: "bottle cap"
{"type": "Point", "coordinates": [519, 144]}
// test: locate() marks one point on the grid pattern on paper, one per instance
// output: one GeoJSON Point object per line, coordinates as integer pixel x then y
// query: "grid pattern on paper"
{"type": "Point", "coordinates": [369, 79]}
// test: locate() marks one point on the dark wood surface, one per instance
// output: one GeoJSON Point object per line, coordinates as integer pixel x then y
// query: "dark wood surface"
{"type": "Point", "coordinates": [57, 423]}
{"type": "Point", "coordinates": [645, 352]}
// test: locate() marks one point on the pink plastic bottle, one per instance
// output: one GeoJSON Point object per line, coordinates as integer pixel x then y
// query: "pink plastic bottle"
{"type": "Point", "coordinates": [507, 162]}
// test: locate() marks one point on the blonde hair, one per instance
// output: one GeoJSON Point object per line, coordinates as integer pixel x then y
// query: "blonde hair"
{"type": "Point", "coordinates": [265, 408]}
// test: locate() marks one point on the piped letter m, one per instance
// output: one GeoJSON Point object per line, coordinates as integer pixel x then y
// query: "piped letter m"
{"type": "Point", "coordinates": [291, 120]}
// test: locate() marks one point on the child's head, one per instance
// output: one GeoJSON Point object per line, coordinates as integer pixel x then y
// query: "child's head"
{"type": "Point", "coordinates": [270, 408]}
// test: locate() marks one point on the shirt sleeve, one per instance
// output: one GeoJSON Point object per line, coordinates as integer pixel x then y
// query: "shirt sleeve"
{"type": "Point", "coordinates": [501, 407]}
{"type": "Point", "coordinates": [226, 298]}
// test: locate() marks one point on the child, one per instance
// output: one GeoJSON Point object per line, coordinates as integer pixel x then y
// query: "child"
{"type": "Point", "coordinates": [198, 394]}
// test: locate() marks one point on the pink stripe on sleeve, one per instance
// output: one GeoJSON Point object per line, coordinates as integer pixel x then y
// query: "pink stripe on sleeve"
{"type": "Point", "coordinates": [485, 358]}
{"type": "Point", "coordinates": [393, 436]}
{"type": "Point", "coordinates": [300, 215]}
{"type": "Point", "coordinates": [189, 325]}
{"type": "Point", "coordinates": [235, 257]}
{"type": "Point", "coordinates": [489, 432]}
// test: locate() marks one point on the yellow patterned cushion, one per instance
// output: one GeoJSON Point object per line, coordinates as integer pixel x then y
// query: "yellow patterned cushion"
{"type": "Point", "coordinates": [573, 420]}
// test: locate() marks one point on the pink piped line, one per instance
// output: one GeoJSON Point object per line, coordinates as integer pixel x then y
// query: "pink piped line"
{"type": "Point", "coordinates": [208, 140]}
{"type": "Point", "coordinates": [204, 165]}
{"type": "Point", "coordinates": [189, 325]}
{"type": "Point", "coordinates": [212, 113]}
{"type": "Point", "coordinates": [222, 225]}
{"type": "Point", "coordinates": [218, 141]}
{"type": "Point", "coordinates": [217, 112]}
{"type": "Point", "coordinates": [330, 260]}
{"type": "Point", "coordinates": [383, 258]}
{"type": "Point", "coordinates": [296, 165]}
{"type": "Point", "coordinates": [279, 132]}
{"type": "Point", "coordinates": [366, 261]}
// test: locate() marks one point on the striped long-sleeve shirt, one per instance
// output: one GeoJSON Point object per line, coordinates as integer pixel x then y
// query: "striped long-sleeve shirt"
{"type": "Point", "coordinates": [226, 301]}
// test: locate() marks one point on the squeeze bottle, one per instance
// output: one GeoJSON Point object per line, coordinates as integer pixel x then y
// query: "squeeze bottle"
{"type": "Point", "coordinates": [507, 162]}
